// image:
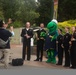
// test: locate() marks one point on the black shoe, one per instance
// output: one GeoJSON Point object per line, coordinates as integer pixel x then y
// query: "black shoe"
{"type": "Point", "coordinates": [72, 67]}
{"type": "Point", "coordinates": [58, 64]}
{"type": "Point", "coordinates": [40, 60]}
{"type": "Point", "coordinates": [28, 59]}
{"type": "Point", "coordinates": [66, 66]}
{"type": "Point", "coordinates": [36, 60]}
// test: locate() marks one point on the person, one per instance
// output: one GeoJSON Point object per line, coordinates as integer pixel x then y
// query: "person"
{"type": "Point", "coordinates": [40, 42]}
{"type": "Point", "coordinates": [11, 27]}
{"type": "Point", "coordinates": [26, 34]}
{"type": "Point", "coordinates": [10, 21]}
{"type": "Point", "coordinates": [5, 25]}
{"type": "Point", "coordinates": [73, 48]}
{"type": "Point", "coordinates": [50, 41]}
{"type": "Point", "coordinates": [66, 44]}
{"type": "Point", "coordinates": [73, 29]}
{"type": "Point", "coordinates": [60, 48]}
{"type": "Point", "coordinates": [4, 35]}
{"type": "Point", "coordinates": [12, 30]}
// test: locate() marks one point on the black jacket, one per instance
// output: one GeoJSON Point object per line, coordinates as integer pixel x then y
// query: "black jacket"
{"type": "Point", "coordinates": [66, 39]}
{"type": "Point", "coordinates": [60, 39]}
{"type": "Point", "coordinates": [4, 35]}
{"type": "Point", "coordinates": [39, 33]}
{"type": "Point", "coordinates": [24, 32]}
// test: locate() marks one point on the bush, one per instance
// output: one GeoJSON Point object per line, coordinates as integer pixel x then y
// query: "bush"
{"type": "Point", "coordinates": [64, 24]}
{"type": "Point", "coordinates": [16, 24]}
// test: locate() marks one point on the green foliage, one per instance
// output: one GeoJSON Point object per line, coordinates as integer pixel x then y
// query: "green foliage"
{"type": "Point", "coordinates": [9, 8]}
{"type": "Point", "coordinates": [26, 11]}
{"type": "Point", "coordinates": [69, 23]}
{"type": "Point", "coordinates": [1, 15]}
{"type": "Point", "coordinates": [19, 10]}
{"type": "Point", "coordinates": [16, 24]}
{"type": "Point", "coordinates": [66, 10]}
{"type": "Point", "coordinates": [45, 9]}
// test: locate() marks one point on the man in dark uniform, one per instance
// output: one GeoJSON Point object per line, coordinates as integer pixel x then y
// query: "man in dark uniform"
{"type": "Point", "coordinates": [40, 42]}
{"type": "Point", "coordinates": [73, 48]}
{"type": "Point", "coordinates": [66, 44]}
{"type": "Point", "coordinates": [60, 48]}
{"type": "Point", "coordinates": [26, 34]}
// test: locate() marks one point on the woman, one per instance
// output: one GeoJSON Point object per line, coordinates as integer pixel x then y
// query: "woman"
{"type": "Point", "coordinates": [66, 45]}
{"type": "Point", "coordinates": [60, 48]}
{"type": "Point", "coordinates": [73, 48]}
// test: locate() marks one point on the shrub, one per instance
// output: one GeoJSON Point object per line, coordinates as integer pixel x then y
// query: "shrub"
{"type": "Point", "coordinates": [64, 24]}
{"type": "Point", "coordinates": [16, 24]}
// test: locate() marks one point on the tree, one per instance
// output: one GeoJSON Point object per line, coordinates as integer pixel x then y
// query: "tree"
{"type": "Point", "coordinates": [19, 10]}
{"type": "Point", "coordinates": [26, 11]}
{"type": "Point", "coordinates": [9, 8]}
{"type": "Point", "coordinates": [66, 10]}
{"type": "Point", "coordinates": [46, 10]}
{"type": "Point", "coordinates": [1, 13]}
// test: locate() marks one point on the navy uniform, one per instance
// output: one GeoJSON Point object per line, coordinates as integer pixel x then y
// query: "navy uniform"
{"type": "Point", "coordinates": [60, 49]}
{"type": "Point", "coordinates": [26, 42]}
{"type": "Point", "coordinates": [66, 40]}
{"type": "Point", "coordinates": [73, 51]}
{"type": "Point", "coordinates": [40, 44]}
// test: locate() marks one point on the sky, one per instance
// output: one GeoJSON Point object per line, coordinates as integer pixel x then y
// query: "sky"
{"type": "Point", "coordinates": [36, 0]}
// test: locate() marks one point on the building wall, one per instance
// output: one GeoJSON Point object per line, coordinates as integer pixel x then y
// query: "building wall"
{"type": "Point", "coordinates": [17, 38]}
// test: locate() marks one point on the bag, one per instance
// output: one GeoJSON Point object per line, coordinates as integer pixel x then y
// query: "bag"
{"type": "Point", "coordinates": [3, 43]}
{"type": "Point", "coordinates": [17, 62]}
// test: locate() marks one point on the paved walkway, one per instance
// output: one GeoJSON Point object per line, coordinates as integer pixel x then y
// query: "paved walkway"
{"type": "Point", "coordinates": [16, 51]}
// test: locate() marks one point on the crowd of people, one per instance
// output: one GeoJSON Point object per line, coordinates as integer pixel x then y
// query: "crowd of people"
{"type": "Point", "coordinates": [65, 44]}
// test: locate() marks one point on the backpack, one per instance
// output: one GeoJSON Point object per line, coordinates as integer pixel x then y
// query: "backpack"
{"type": "Point", "coordinates": [17, 62]}
{"type": "Point", "coordinates": [3, 43]}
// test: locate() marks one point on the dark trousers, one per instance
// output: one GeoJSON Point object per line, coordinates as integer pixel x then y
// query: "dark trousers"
{"type": "Point", "coordinates": [60, 54]}
{"type": "Point", "coordinates": [40, 45]}
{"type": "Point", "coordinates": [26, 49]}
{"type": "Point", "coordinates": [73, 54]}
{"type": "Point", "coordinates": [67, 56]}
{"type": "Point", "coordinates": [73, 59]}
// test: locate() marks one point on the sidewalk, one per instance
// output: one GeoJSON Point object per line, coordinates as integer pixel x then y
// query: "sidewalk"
{"type": "Point", "coordinates": [16, 51]}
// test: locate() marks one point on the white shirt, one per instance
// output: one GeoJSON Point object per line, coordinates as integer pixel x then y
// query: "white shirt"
{"type": "Point", "coordinates": [32, 42]}
{"type": "Point", "coordinates": [27, 29]}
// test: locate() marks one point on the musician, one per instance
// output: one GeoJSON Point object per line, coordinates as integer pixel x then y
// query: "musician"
{"type": "Point", "coordinates": [40, 42]}
{"type": "Point", "coordinates": [26, 34]}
